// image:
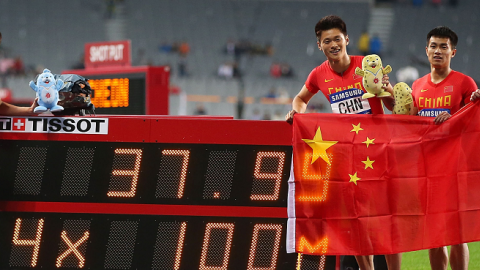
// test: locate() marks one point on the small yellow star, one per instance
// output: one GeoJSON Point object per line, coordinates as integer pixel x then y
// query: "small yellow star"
{"type": "Point", "coordinates": [354, 178]}
{"type": "Point", "coordinates": [368, 163]}
{"type": "Point", "coordinates": [319, 146]}
{"type": "Point", "coordinates": [369, 141]}
{"type": "Point", "coordinates": [356, 128]}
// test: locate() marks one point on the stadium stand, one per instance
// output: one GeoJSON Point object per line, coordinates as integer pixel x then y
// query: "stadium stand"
{"type": "Point", "coordinates": [56, 41]}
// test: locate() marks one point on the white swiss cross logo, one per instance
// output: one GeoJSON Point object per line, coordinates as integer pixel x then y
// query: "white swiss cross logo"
{"type": "Point", "coordinates": [18, 124]}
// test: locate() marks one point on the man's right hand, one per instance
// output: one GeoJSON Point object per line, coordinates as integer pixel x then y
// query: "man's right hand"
{"type": "Point", "coordinates": [442, 117]}
{"type": "Point", "coordinates": [31, 108]}
{"type": "Point", "coordinates": [289, 116]}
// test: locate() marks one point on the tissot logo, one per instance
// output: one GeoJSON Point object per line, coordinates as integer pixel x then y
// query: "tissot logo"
{"type": "Point", "coordinates": [55, 125]}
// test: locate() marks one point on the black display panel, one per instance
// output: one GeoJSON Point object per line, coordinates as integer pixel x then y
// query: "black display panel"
{"type": "Point", "coordinates": [89, 201]}
{"type": "Point", "coordinates": [147, 173]}
{"type": "Point", "coordinates": [86, 241]}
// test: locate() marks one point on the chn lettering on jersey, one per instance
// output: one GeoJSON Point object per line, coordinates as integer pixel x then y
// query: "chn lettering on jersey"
{"type": "Point", "coordinates": [350, 101]}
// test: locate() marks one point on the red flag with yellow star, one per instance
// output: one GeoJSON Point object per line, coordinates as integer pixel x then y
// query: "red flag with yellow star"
{"type": "Point", "coordinates": [383, 184]}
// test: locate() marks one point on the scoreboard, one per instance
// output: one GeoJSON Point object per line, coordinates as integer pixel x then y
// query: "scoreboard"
{"type": "Point", "coordinates": [148, 192]}
{"type": "Point", "coordinates": [128, 90]}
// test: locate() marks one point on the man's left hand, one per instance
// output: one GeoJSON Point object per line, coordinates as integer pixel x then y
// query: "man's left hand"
{"type": "Point", "coordinates": [386, 82]}
{"type": "Point", "coordinates": [388, 101]}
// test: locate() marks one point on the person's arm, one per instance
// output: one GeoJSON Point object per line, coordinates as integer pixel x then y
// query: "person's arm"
{"type": "Point", "coordinates": [9, 109]}
{"type": "Point", "coordinates": [440, 118]}
{"type": "Point", "coordinates": [388, 101]}
{"type": "Point", "coordinates": [299, 104]}
{"type": "Point", "coordinates": [444, 116]}
{"type": "Point", "coordinates": [472, 92]}
{"type": "Point", "coordinates": [469, 84]}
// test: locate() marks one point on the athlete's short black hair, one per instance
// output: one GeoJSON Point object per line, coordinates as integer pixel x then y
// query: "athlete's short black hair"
{"type": "Point", "coordinates": [330, 22]}
{"type": "Point", "coordinates": [443, 32]}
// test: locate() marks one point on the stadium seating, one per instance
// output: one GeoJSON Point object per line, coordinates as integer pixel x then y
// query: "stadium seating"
{"type": "Point", "coordinates": [56, 39]}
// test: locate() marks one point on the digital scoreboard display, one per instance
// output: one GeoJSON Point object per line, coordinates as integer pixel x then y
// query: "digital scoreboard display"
{"type": "Point", "coordinates": [128, 90]}
{"type": "Point", "coordinates": [115, 93]}
{"type": "Point", "coordinates": [153, 193]}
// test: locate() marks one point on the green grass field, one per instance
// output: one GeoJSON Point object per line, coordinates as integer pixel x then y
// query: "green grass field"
{"type": "Point", "coordinates": [418, 260]}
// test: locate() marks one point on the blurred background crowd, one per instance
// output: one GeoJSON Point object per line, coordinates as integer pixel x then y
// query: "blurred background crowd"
{"type": "Point", "coordinates": [259, 50]}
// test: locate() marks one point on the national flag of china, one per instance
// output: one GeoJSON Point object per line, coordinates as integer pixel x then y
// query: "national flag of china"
{"type": "Point", "coordinates": [383, 184]}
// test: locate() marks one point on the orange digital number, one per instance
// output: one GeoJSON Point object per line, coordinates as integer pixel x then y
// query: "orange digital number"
{"type": "Point", "coordinates": [206, 241]}
{"type": "Point", "coordinates": [321, 263]}
{"type": "Point", "coordinates": [181, 239]}
{"type": "Point", "coordinates": [29, 242]}
{"type": "Point", "coordinates": [322, 245]}
{"type": "Point", "coordinates": [110, 93]}
{"type": "Point", "coordinates": [277, 176]}
{"type": "Point", "coordinates": [132, 173]}
{"type": "Point", "coordinates": [253, 248]}
{"type": "Point", "coordinates": [183, 173]}
{"type": "Point", "coordinates": [72, 248]}
{"type": "Point", "coordinates": [320, 194]}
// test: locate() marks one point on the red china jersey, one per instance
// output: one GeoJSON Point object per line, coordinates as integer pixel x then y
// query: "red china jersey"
{"type": "Point", "coordinates": [451, 94]}
{"type": "Point", "coordinates": [324, 78]}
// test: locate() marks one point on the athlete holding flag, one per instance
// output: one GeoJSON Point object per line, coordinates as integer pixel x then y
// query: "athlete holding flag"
{"type": "Point", "coordinates": [337, 73]}
{"type": "Point", "coordinates": [440, 94]}
{"type": "Point", "coordinates": [336, 78]}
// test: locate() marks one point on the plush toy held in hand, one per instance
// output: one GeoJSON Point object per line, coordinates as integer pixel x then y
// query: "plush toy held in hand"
{"type": "Point", "coordinates": [372, 72]}
{"type": "Point", "coordinates": [47, 92]}
{"type": "Point", "coordinates": [403, 98]}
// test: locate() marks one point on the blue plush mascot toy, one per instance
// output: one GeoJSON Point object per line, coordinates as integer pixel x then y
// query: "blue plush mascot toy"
{"type": "Point", "coordinates": [47, 92]}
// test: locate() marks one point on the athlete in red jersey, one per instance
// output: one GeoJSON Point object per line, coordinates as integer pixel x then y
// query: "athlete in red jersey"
{"type": "Point", "coordinates": [440, 94]}
{"type": "Point", "coordinates": [448, 95]}
{"type": "Point", "coordinates": [338, 71]}
{"type": "Point", "coordinates": [324, 78]}
{"type": "Point", "coordinates": [338, 74]}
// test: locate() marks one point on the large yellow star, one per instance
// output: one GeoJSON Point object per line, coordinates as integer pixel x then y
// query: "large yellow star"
{"type": "Point", "coordinates": [356, 128]}
{"type": "Point", "coordinates": [368, 163]}
{"type": "Point", "coordinates": [319, 146]}
{"type": "Point", "coordinates": [369, 141]}
{"type": "Point", "coordinates": [354, 178]}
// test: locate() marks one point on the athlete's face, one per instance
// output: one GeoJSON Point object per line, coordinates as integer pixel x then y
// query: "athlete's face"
{"type": "Point", "coordinates": [333, 43]}
{"type": "Point", "coordinates": [440, 52]}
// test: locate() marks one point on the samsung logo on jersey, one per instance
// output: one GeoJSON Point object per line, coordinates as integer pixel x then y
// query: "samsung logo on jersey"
{"type": "Point", "coordinates": [346, 94]}
{"type": "Point", "coordinates": [432, 112]}
{"type": "Point", "coordinates": [54, 125]}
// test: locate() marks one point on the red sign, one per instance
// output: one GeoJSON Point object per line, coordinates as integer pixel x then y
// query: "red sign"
{"type": "Point", "coordinates": [107, 54]}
